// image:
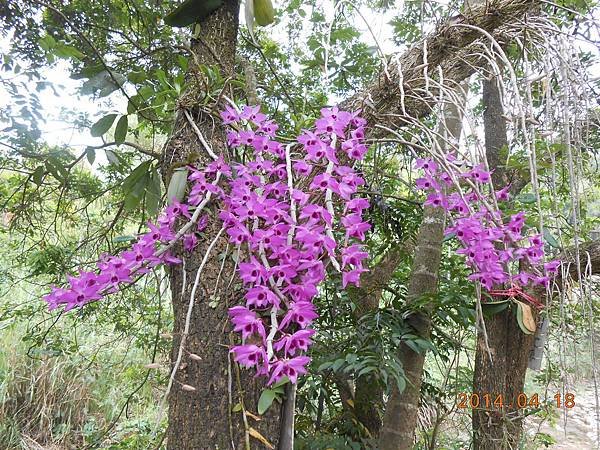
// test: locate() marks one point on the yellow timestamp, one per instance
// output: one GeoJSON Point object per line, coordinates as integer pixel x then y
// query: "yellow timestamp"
{"type": "Point", "coordinates": [498, 401]}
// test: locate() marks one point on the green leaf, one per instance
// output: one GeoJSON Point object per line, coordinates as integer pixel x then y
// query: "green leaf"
{"type": "Point", "coordinates": [137, 77]}
{"type": "Point", "coordinates": [265, 400]}
{"type": "Point", "coordinates": [153, 194]}
{"type": "Point", "coordinates": [177, 185]}
{"type": "Point", "coordinates": [337, 364]}
{"type": "Point", "coordinates": [282, 382]}
{"type": "Point", "coordinates": [47, 42]}
{"type": "Point", "coordinates": [38, 175]}
{"type": "Point", "coordinates": [401, 383]}
{"type": "Point", "coordinates": [122, 239]}
{"type": "Point", "coordinates": [90, 154]}
{"type": "Point", "coordinates": [112, 157]}
{"type": "Point", "coordinates": [135, 185]}
{"type": "Point", "coordinates": [191, 11]}
{"type": "Point", "coordinates": [56, 168]}
{"type": "Point", "coordinates": [527, 198]}
{"type": "Point", "coordinates": [121, 130]}
{"type": "Point", "coordinates": [103, 125]}
{"type": "Point", "coordinates": [550, 239]}
{"type": "Point", "coordinates": [68, 51]}
{"type": "Point", "coordinates": [132, 104]}
{"type": "Point", "coordinates": [104, 81]}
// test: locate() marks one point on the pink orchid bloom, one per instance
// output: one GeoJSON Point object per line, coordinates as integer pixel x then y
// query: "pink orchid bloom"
{"type": "Point", "coordinates": [246, 322]}
{"type": "Point", "coordinates": [249, 355]}
{"type": "Point", "coordinates": [293, 343]}
{"type": "Point", "coordinates": [290, 368]}
{"type": "Point", "coordinates": [261, 297]}
{"type": "Point", "coordinates": [301, 313]}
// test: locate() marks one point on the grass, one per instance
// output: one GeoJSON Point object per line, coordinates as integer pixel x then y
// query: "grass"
{"type": "Point", "coordinates": [67, 401]}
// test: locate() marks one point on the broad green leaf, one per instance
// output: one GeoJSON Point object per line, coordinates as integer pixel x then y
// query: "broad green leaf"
{"type": "Point", "coordinates": [138, 76]}
{"type": "Point", "coordinates": [401, 383]}
{"type": "Point", "coordinates": [137, 173]}
{"type": "Point", "coordinates": [550, 239]}
{"type": "Point", "coordinates": [112, 157]}
{"type": "Point", "coordinates": [38, 175]}
{"type": "Point", "coordinates": [134, 186]}
{"type": "Point", "coordinates": [191, 11]}
{"type": "Point", "coordinates": [68, 51]}
{"type": "Point", "coordinates": [177, 185]}
{"type": "Point", "coordinates": [121, 130]}
{"type": "Point", "coordinates": [47, 42]}
{"type": "Point", "coordinates": [265, 400]}
{"type": "Point", "coordinates": [103, 125]}
{"type": "Point", "coordinates": [134, 196]}
{"type": "Point", "coordinates": [527, 198]}
{"type": "Point", "coordinates": [90, 154]}
{"type": "Point", "coordinates": [132, 104]}
{"type": "Point", "coordinates": [153, 193]}
{"type": "Point", "coordinates": [337, 364]}
{"type": "Point", "coordinates": [282, 382]}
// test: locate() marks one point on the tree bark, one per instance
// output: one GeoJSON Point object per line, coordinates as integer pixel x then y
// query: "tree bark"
{"type": "Point", "coordinates": [401, 412]}
{"type": "Point", "coordinates": [509, 347]}
{"type": "Point", "coordinates": [205, 418]}
{"type": "Point", "coordinates": [399, 95]}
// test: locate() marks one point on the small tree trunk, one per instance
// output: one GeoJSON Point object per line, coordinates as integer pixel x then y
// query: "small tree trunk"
{"type": "Point", "coordinates": [509, 347]}
{"type": "Point", "coordinates": [368, 393]}
{"type": "Point", "coordinates": [204, 418]}
{"type": "Point", "coordinates": [401, 412]}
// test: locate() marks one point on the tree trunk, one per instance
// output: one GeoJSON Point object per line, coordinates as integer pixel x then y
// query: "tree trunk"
{"type": "Point", "coordinates": [509, 347]}
{"type": "Point", "coordinates": [368, 393]}
{"type": "Point", "coordinates": [402, 409]}
{"type": "Point", "coordinates": [204, 418]}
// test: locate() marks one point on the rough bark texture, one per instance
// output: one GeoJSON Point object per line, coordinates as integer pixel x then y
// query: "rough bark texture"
{"type": "Point", "coordinates": [400, 418]}
{"type": "Point", "coordinates": [588, 252]}
{"type": "Point", "coordinates": [203, 419]}
{"type": "Point", "coordinates": [509, 347]}
{"type": "Point", "coordinates": [401, 412]}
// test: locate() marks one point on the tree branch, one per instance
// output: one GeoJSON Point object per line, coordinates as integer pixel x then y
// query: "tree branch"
{"type": "Point", "coordinates": [138, 147]}
{"type": "Point", "coordinates": [589, 252]}
{"type": "Point", "coordinates": [401, 94]}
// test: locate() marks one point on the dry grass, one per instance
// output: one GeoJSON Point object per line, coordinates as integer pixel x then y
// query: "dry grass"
{"type": "Point", "coordinates": [41, 402]}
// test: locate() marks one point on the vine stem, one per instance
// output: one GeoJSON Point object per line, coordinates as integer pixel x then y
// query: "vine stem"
{"type": "Point", "coordinates": [207, 147]}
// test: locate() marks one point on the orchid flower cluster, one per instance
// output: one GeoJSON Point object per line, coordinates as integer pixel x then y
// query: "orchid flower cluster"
{"type": "Point", "coordinates": [492, 245]}
{"type": "Point", "coordinates": [282, 210]}
{"type": "Point", "coordinates": [278, 210]}
{"type": "Point", "coordinates": [115, 271]}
